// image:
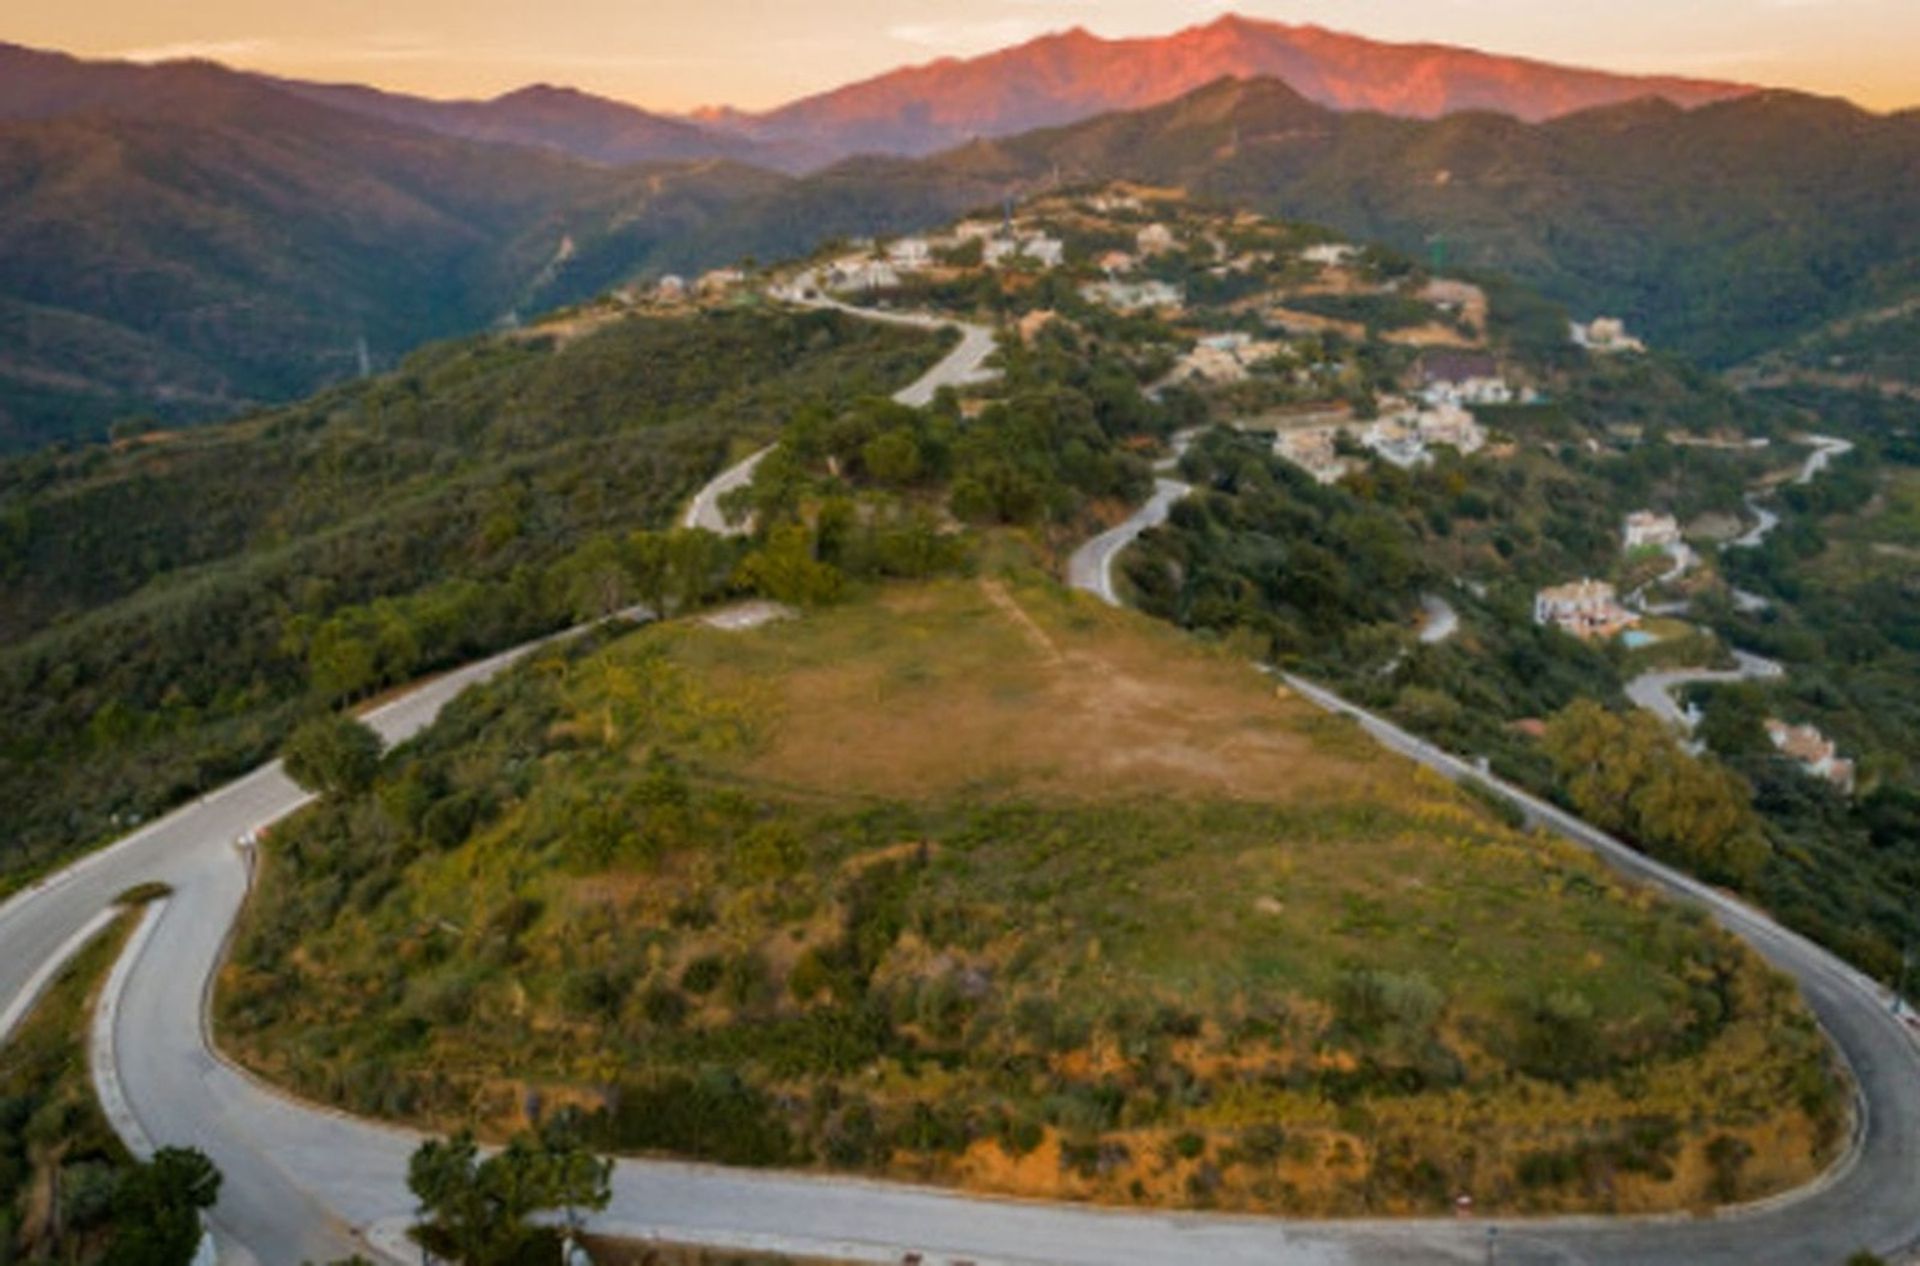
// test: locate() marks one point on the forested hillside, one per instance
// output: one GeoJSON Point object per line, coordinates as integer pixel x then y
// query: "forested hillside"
{"type": "Point", "coordinates": [191, 242]}
{"type": "Point", "coordinates": [173, 602]}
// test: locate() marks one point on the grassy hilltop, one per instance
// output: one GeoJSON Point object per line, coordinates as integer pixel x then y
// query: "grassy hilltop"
{"type": "Point", "coordinates": [973, 882]}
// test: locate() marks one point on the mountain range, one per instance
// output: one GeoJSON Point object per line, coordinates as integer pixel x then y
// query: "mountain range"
{"type": "Point", "coordinates": [1072, 76]}
{"type": "Point", "coordinates": [184, 240]}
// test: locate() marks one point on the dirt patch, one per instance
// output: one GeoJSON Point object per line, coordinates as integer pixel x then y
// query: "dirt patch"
{"type": "Point", "coordinates": [993, 688]}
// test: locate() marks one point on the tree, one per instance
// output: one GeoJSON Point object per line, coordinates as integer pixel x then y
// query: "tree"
{"type": "Point", "coordinates": [785, 570]}
{"type": "Point", "coordinates": [479, 1211]}
{"type": "Point", "coordinates": [1629, 775]}
{"type": "Point", "coordinates": [334, 755]}
{"type": "Point", "coordinates": [156, 1209]}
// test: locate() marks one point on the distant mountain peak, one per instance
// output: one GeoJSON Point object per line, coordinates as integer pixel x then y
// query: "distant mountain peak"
{"type": "Point", "coordinates": [1074, 74]}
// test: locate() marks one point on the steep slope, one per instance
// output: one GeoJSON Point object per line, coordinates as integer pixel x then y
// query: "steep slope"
{"type": "Point", "coordinates": [186, 240]}
{"type": "Point", "coordinates": [1062, 78]}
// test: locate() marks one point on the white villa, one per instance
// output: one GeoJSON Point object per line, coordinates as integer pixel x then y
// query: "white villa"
{"type": "Point", "coordinates": [670, 288]}
{"type": "Point", "coordinates": [1606, 335]}
{"type": "Point", "coordinates": [1134, 296]}
{"type": "Point", "coordinates": [1048, 252]}
{"type": "Point", "coordinates": [1588, 609]}
{"type": "Point", "coordinates": [1814, 752]}
{"type": "Point", "coordinates": [860, 273]}
{"type": "Point", "coordinates": [1155, 239]}
{"type": "Point", "coordinates": [910, 254]}
{"type": "Point", "coordinates": [1645, 528]}
{"type": "Point", "coordinates": [1330, 254]}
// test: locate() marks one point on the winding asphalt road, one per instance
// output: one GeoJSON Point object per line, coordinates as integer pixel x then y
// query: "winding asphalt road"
{"type": "Point", "coordinates": [964, 366]}
{"type": "Point", "coordinates": [1654, 691]}
{"type": "Point", "coordinates": [303, 1183]}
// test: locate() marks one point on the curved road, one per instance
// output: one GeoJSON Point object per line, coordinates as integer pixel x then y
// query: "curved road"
{"type": "Point", "coordinates": [303, 1183]}
{"type": "Point", "coordinates": [1654, 691]}
{"type": "Point", "coordinates": [961, 367]}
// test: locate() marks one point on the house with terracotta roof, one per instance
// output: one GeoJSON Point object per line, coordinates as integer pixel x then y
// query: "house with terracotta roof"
{"type": "Point", "coordinates": [1588, 609]}
{"type": "Point", "coordinates": [1813, 751]}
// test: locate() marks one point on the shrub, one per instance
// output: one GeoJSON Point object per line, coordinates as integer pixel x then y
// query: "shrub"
{"type": "Point", "coordinates": [333, 756]}
{"type": "Point", "coordinates": [702, 974]}
{"type": "Point", "coordinates": [663, 1006]}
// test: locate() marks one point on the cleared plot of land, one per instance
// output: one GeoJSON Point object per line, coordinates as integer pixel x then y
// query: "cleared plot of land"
{"type": "Point", "coordinates": [977, 883]}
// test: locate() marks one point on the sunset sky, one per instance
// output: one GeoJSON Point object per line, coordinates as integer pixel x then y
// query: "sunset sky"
{"type": "Point", "coordinates": [670, 54]}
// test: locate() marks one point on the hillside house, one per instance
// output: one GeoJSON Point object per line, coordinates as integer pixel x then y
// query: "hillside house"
{"type": "Point", "coordinates": [1330, 254]}
{"type": "Point", "coordinates": [1048, 252]}
{"type": "Point", "coordinates": [1645, 529]}
{"type": "Point", "coordinates": [1606, 335]}
{"type": "Point", "coordinates": [1812, 751]}
{"type": "Point", "coordinates": [1134, 296]}
{"type": "Point", "coordinates": [1117, 263]}
{"type": "Point", "coordinates": [857, 273]}
{"type": "Point", "coordinates": [1588, 609]}
{"type": "Point", "coordinates": [996, 251]}
{"type": "Point", "coordinates": [910, 254]}
{"type": "Point", "coordinates": [1314, 450]}
{"type": "Point", "coordinates": [1155, 239]}
{"type": "Point", "coordinates": [670, 288]}
{"type": "Point", "coordinates": [1463, 378]}
{"type": "Point", "coordinates": [720, 280]}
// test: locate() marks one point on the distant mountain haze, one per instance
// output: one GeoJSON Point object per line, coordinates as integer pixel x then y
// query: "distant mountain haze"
{"type": "Point", "coordinates": [184, 240]}
{"type": "Point", "coordinates": [1067, 77]}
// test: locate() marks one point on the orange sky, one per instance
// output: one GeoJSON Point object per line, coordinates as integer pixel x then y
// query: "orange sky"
{"type": "Point", "coordinates": [670, 54]}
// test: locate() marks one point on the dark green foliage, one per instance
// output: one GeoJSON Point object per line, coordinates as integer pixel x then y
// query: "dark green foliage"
{"type": "Point", "coordinates": [333, 755]}
{"type": "Point", "coordinates": [169, 611]}
{"type": "Point", "coordinates": [478, 1211]}
{"type": "Point", "coordinates": [156, 1209]}
{"type": "Point", "coordinates": [716, 1116]}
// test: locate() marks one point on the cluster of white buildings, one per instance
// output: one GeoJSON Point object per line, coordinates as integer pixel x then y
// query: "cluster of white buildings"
{"type": "Point", "coordinates": [1812, 751]}
{"type": "Point", "coordinates": [1135, 296]}
{"type": "Point", "coordinates": [1588, 609]}
{"type": "Point", "coordinates": [1606, 335]}
{"type": "Point", "coordinates": [1407, 438]}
